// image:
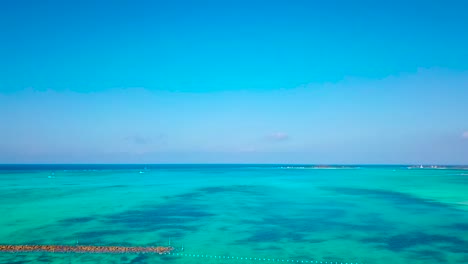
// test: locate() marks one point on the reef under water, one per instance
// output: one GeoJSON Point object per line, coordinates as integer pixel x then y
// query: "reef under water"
{"type": "Point", "coordinates": [84, 249]}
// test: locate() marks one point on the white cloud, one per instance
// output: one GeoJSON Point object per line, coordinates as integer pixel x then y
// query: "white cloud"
{"type": "Point", "coordinates": [278, 136]}
{"type": "Point", "coordinates": [465, 135]}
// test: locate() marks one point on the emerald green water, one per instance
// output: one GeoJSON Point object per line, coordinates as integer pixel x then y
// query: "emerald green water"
{"type": "Point", "coordinates": [349, 215]}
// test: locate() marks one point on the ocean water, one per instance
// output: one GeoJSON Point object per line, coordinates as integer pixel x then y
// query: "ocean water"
{"type": "Point", "coordinates": [238, 213]}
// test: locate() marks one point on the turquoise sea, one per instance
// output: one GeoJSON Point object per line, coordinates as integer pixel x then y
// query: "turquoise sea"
{"type": "Point", "coordinates": [238, 213]}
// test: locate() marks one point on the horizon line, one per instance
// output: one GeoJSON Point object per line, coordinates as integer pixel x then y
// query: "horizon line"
{"type": "Point", "coordinates": [293, 164]}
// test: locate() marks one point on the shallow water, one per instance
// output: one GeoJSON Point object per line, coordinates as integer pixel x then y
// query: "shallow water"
{"type": "Point", "coordinates": [344, 215]}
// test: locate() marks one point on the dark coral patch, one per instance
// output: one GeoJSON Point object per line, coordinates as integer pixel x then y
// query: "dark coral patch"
{"type": "Point", "coordinates": [76, 220]}
{"type": "Point", "coordinates": [177, 216]}
{"type": "Point", "coordinates": [139, 259]}
{"type": "Point", "coordinates": [401, 242]}
{"type": "Point", "coordinates": [428, 255]}
{"type": "Point", "coordinates": [172, 219]}
{"type": "Point", "coordinates": [458, 226]}
{"type": "Point", "coordinates": [172, 234]}
{"type": "Point", "coordinates": [207, 192]}
{"type": "Point", "coordinates": [98, 234]}
{"type": "Point", "coordinates": [44, 258]}
{"type": "Point", "coordinates": [397, 198]}
{"type": "Point", "coordinates": [241, 189]}
{"type": "Point", "coordinates": [303, 229]}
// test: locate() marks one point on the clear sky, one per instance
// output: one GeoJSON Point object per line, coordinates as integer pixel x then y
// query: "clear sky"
{"type": "Point", "coordinates": [234, 81]}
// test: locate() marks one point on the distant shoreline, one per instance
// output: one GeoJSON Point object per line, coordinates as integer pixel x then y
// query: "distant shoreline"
{"type": "Point", "coordinates": [215, 165]}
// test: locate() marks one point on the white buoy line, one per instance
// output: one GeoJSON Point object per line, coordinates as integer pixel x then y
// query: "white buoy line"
{"type": "Point", "coordinates": [259, 259]}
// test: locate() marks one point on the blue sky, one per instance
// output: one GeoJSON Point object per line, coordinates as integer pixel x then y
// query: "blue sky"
{"type": "Point", "coordinates": [234, 81]}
